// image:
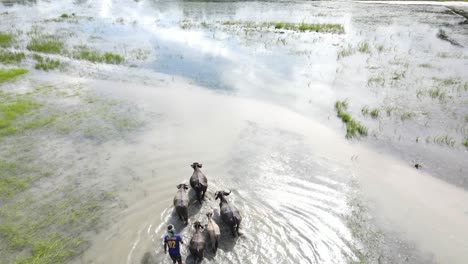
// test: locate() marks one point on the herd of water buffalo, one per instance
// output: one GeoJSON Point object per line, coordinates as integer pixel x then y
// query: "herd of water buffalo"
{"type": "Point", "coordinates": [229, 214]}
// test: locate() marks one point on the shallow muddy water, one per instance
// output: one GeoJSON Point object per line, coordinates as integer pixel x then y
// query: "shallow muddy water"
{"type": "Point", "coordinates": [254, 105]}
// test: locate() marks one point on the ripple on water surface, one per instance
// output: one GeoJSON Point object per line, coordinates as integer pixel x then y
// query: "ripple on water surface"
{"type": "Point", "coordinates": [291, 199]}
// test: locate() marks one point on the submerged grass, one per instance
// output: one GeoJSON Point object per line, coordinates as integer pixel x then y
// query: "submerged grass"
{"type": "Point", "coordinates": [13, 108]}
{"type": "Point", "coordinates": [377, 80]}
{"type": "Point", "coordinates": [437, 93]}
{"type": "Point", "coordinates": [46, 64]}
{"type": "Point", "coordinates": [375, 113]}
{"type": "Point", "coordinates": [5, 39]}
{"type": "Point", "coordinates": [46, 44]}
{"type": "Point", "coordinates": [303, 27]}
{"type": "Point", "coordinates": [83, 53]}
{"type": "Point", "coordinates": [321, 28]}
{"type": "Point", "coordinates": [8, 57]}
{"type": "Point", "coordinates": [353, 128]}
{"type": "Point", "coordinates": [11, 75]}
{"type": "Point", "coordinates": [363, 47]}
{"type": "Point", "coordinates": [38, 226]}
{"type": "Point", "coordinates": [442, 140]}
{"type": "Point", "coordinates": [346, 51]}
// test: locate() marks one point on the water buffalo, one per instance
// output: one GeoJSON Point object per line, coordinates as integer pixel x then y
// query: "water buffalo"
{"type": "Point", "coordinates": [229, 213]}
{"type": "Point", "coordinates": [198, 181]}
{"type": "Point", "coordinates": [197, 243]}
{"type": "Point", "coordinates": [181, 202]}
{"type": "Point", "coordinates": [213, 232]}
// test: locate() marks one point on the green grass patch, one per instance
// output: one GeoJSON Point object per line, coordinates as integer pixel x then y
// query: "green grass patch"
{"type": "Point", "coordinates": [11, 75]}
{"type": "Point", "coordinates": [45, 64]}
{"type": "Point", "coordinates": [451, 81]}
{"type": "Point", "coordinates": [95, 56]}
{"type": "Point", "coordinates": [46, 44]}
{"type": "Point", "coordinates": [345, 52]}
{"type": "Point", "coordinates": [5, 40]}
{"type": "Point", "coordinates": [13, 108]}
{"type": "Point", "coordinates": [320, 28]}
{"type": "Point", "coordinates": [363, 47]}
{"type": "Point", "coordinates": [437, 93]}
{"type": "Point", "coordinates": [426, 65]}
{"type": "Point", "coordinates": [375, 113]}
{"type": "Point", "coordinates": [465, 142]}
{"type": "Point", "coordinates": [443, 140]}
{"type": "Point", "coordinates": [365, 110]}
{"type": "Point", "coordinates": [407, 116]}
{"type": "Point", "coordinates": [353, 128]}
{"type": "Point", "coordinates": [50, 231]}
{"type": "Point", "coordinates": [7, 57]}
{"type": "Point", "coordinates": [377, 80]}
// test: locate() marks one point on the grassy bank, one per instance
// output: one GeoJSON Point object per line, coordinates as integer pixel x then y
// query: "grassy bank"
{"type": "Point", "coordinates": [44, 216]}
{"type": "Point", "coordinates": [11, 75]}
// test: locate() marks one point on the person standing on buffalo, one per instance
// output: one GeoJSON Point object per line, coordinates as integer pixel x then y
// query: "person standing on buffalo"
{"type": "Point", "coordinates": [173, 241]}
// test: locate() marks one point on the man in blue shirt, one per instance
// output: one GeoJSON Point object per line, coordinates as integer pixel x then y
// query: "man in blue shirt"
{"type": "Point", "coordinates": [172, 241]}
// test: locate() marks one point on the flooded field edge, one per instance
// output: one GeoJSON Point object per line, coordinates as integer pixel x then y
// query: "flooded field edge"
{"type": "Point", "coordinates": [73, 157]}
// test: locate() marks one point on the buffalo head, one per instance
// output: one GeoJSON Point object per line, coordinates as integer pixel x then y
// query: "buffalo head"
{"type": "Point", "coordinates": [182, 185]}
{"type": "Point", "coordinates": [197, 225]}
{"type": "Point", "coordinates": [221, 194]}
{"type": "Point", "coordinates": [196, 165]}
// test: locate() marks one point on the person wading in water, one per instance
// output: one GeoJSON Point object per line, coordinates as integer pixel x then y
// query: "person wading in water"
{"type": "Point", "coordinates": [172, 241]}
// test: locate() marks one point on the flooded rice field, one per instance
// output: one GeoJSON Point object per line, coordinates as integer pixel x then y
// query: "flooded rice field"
{"type": "Point", "coordinates": [340, 128]}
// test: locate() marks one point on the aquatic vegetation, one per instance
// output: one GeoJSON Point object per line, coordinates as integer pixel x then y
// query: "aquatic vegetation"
{"type": "Point", "coordinates": [380, 48]}
{"type": "Point", "coordinates": [363, 47]}
{"type": "Point", "coordinates": [442, 140]}
{"type": "Point", "coordinates": [447, 55]}
{"type": "Point", "coordinates": [365, 110]}
{"type": "Point", "coordinates": [447, 81]}
{"type": "Point", "coordinates": [8, 57]}
{"type": "Point", "coordinates": [65, 15]}
{"type": "Point", "coordinates": [375, 113]}
{"type": "Point", "coordinates": [407, 116]}
{"type": "Point", "coordinates": [367, 248]}
{"type": "Point", "coordinates": [353, 128]}
{"type": "Point", "coordinates": [321, 28]}
{"type": "Point", "coordinates": [420, 93]}
{"type": "Point", "coordinates": [49, 234]}
{"type": "Point", "coordinates": [398, 75]}
{"type": "Point", "coordinates": [443, 36]}
{"type": "Point", "coordinates": [46, 64]}
{"type": "Point", "coordinates": [436, 93]}
{"type": "Point", "coordinates": [12, 108]}
{"type": "Point", "coordinates": [303, 27]}
{"type": "Point", "coordinates": [186, 24]}
{"type": "Point", "coordinates": [346, 51]}
{"type": "Point", "coordinates": [378, 80]}
{"type": "Point", "coordinates": [426, 65]}
{"type": "Point", "coordinates": [11, 75]}
{"type": "Point", "coordinates": [5, 40]}
{"type": "Point", "coordinates": [46, 44]}
{"type": "Point", "coordinates": [83, 53]}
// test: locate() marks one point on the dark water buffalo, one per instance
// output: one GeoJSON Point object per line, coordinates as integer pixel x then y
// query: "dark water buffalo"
{"type": "Point", "coordinates": [197, 243]}
{"type": "Point", "coordinates": [229, 213]}
{"type": "Point", "coordinates": [181, 202]}
{"type": "Point", "coordinates": [198, 181]}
